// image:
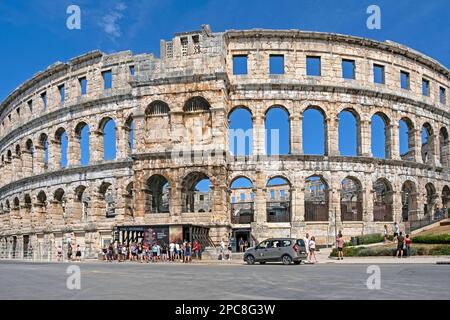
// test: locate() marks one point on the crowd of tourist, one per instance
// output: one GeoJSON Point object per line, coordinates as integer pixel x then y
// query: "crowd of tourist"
{"type": "Point", "coordinates": [152, 252]}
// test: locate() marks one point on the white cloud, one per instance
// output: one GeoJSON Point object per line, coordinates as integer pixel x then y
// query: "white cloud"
{"type": "Point", "coordinates": [110, 21]}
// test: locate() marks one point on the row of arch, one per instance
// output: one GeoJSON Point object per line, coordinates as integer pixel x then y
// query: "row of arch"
{"type": "Point", "coordinates": [315, 128]}
{"type": "Point", "coordinates": [278, 198]}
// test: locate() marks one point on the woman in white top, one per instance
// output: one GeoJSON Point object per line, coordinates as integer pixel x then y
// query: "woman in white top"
{"type": "Point", "coordinates": [312, 249]}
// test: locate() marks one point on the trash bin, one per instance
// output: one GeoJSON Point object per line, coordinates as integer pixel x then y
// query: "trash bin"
{"type": "Point", "coordinates": [354, 241]}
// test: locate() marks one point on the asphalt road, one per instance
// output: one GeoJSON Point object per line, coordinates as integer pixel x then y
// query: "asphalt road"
{"type": "Point", "coordinates": [20, 280]}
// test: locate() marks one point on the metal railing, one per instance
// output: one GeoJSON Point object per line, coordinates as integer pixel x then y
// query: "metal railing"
{"type": "Point", "coordinates": [242, 212]}
{"type": "Point", "coordinates": [278, 211]}
{"type": "Point", "coordinates": [351, 211]}
{"type": "Point", "coordinates": [382, 212]}
{"type": "Point", "coordinates": [315, 211]}
{"type": "Point", "coordinates": [425, 221]}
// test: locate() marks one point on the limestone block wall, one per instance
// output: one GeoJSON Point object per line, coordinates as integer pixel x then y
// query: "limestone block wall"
{"type": "Point", "coordinates": [171, 117]}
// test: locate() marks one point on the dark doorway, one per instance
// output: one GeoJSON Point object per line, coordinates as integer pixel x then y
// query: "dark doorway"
{"type": "Point", "coordinates": [26, 241]}
{"type": "Point", "coordinates": [245, 235]}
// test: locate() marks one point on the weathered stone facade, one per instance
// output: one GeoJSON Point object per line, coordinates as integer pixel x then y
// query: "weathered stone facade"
{"type": "Point", "coordinates": [177, 107]}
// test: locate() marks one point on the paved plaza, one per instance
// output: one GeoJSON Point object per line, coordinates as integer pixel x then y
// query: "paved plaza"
{"type": "Point", "coordinates": [24, 280]}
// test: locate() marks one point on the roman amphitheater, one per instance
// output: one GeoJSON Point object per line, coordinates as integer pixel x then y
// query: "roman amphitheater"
{"type": "Point", "coordinates": [112, 147]}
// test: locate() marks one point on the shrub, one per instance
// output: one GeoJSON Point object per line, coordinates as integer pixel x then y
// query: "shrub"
{"type": "Point", "coordinates": [432, 239]}
{"type": "Point", "coordinates": [380, 251]}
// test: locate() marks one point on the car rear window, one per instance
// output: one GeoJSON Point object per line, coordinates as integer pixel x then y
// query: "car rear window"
{"type": "Point", "coordinates": [300, 242]}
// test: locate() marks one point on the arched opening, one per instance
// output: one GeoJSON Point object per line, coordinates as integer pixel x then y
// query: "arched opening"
{"type": "Point", "coordinates": [349, 133]}
{"type": "Point", "coordinates": [197, 119]}
{"type": "Point", "coordinates": [62, 141]}
{"type": "Point", "coordinates": [108, 128]}
{"type": "Point", "coordinates": [427, 143]}
{"type": "Point", "coordinates": [277, 131]}
{"type": "Point", "coordinates": [30, 150]}
{"type": "Point", "coordinates": [406, 139]}
{"type": "Point", "coordinates": [197, 193]}
{"type": "Point", "coordinates": [108, 195]}
{"type": "Point", "coordinates": [82, 133]}
{"type": "Point", "coordinates": [196, 104]}
{"type": "Point", "coordinates": [351, 200]}
{"type": "Point", "coordinates": [316, 199]}
{"type": "Point", "coordinates": [409, 201]}
{"type": "Point", "coordinates": [129, 132]}
{"type": "Point", "coordinates": [430, 206]}
{"type": "Point", "coordinates": [41, 208]}
{"type": "Point", "coordinates": [380, 136]}
{"type": "Point", "coordinates": [242, 201]}
{"type": "Point", "coordinates": [60, 202]}
{"type": "Point", "coordinates": [382, 201]}
{"type": "Point", "coordinates": [81, 203]}
{"type": "Point", "coordinates": [443, 147]}
{"type": "Point", "coordinates": [278, 204]}
{"type": "Point", "coordinates": [157, 194]}
{"type": "Point", "coordinates": [157, 107]}
{"type": "Point", "coordinates": [43, 141]}
{"type": "Point", "coordinates": [240, 131]}
{"type": "Point", "coordinates": [314, 131]}
{"type": "Point", "coordinates": [129, 200]}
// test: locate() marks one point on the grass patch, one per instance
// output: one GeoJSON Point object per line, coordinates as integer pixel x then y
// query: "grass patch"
{"type": "Point", "coordinates": [389, 250]}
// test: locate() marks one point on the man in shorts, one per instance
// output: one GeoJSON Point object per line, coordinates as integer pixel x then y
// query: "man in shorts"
{"type": "Point", "coordinates": [400, 245]}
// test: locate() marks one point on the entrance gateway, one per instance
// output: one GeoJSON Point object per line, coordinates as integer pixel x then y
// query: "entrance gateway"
{"type": "Point", "coordinates": [162, 234]}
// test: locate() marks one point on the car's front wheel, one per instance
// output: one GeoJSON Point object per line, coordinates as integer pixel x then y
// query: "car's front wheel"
{"type": "Point", "coordinates": [250, 259]}
{"type": "Point", "coordinates": [286, 260]}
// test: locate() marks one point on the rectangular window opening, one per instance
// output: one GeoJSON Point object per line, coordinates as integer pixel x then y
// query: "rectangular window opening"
{"type": "Point", "coordinates": [442, 95]}
{"type": "Point", "coordinates": [44, 100]}
{"type": "Point", "coordinates": [62, 92]}
{"type": "Point", "coordinates": [404, 80]}
{"type": "Point", "coordinates": [276, 64]}
{"type": "Point", "coordinates": [240, 64]}
{"type": "Point", "coordinates": [425, 87]}
{"type": "Point", "coordinates": [132, 71]}
{"type": "Point", "coordinates": [348, 69]}
{"type": "Point", "coordinates": [83, 85]}
{"type": "Point", "coordinates": [107, 79]}
{"type": "Point", "coordinates": [378, 74]}
{"type": "Point", "coordinates": [313, 66]}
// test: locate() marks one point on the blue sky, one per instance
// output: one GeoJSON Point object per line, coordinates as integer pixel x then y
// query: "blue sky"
{"type": "Point", "coordinates": [34, 33]}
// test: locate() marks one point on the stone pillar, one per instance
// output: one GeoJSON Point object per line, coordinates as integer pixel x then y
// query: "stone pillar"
{"type": "Point", "coordinates": [139, 132]}
{"type": "Point", "coordinates": [122, 147]}
{"type": "Point", "coordinates": [74, 151]}
{"type": "Point", "coordinates": [417, 147]}
{"type": "Point", "coordinates": [54, 157]}
{"type": "Point", "coordinates": [366, 142]}
{"type": "Point", "coordinates": [392, 142]}
{"type": "Point", "coordinates": [27, 164]}
{"type": "Point", "coordinates": [368, 199]}
{"type": "Point", "coordinates": [332, 139]}
{"type": "Point", "coordinates": [260, 206]}
{"type": "Point", "coordinates": [97, 146]}
{"type": "Point", "coordinates": [296, 134]}
{"type": "Point", "coordinates": [7, 171]}
{"type": "Point", "coordinates": [17, 165]}
{"type": "Point", "coordinates": [259, 134]}
{"type": "Point", "coordinates": [397, 205]}
{"type": "Point", "coordinates": [436, 150]}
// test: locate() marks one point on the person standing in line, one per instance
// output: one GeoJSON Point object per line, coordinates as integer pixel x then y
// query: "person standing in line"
{"type": "Point", "coordinates": [408, 245]}
{"type": "Point", "coordinates": [177, 251]}
{"type": "Point", "coordinates": [164, 252]}
{"type": "Point", "coordinates": [245, 245]}
{"type": "Point", "coordinates": [340, 246]}
{"type": "Point", "coordinates": [171, 251]}
{"type": "Point", "coordinates": [155, 252]}
{"type": "Point", "coordinates": [119, 252]}
{"type": "Point", "coordinates": [78, 253]}
{"type": "Point", "coordinates": [139, 253]}
{"type": "Point", "coordinates": [69, 252]}
{"type": "Point", "coordinates": [230, 250]}
{"type": "Point", "coordinates": [241, 245]}
{"type": "Point", "coordinates": [196, 250]}
{"type": "Point", "coordinates": [124, 252]}
{"type": "Point", "coordinates": [312, 249]}
{"type": "Point", "coordinates": [110, 253]}
{"type": "Point", "coordinates": [400, 245]}
{"type": "Point", "coordinates": [187, 253]}
{"type": "Point", "coordinates": [306, 241]}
